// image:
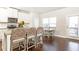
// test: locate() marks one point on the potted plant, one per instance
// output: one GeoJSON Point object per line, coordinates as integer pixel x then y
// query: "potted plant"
{"type": "Point", "coordinates": [21, 24]}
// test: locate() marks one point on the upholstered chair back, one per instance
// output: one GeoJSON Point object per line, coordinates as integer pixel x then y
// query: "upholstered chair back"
{"type": "Point", "coordinates": [31, 31]}
{"type": "Point", "coordinates": [39, 30]}
{"type": "Point", "coordinates": [18, 33]}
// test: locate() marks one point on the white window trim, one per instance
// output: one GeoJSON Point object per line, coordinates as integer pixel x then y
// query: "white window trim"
{"type": "Point", "coordinates": [49, 22]}
{"type": "Point", "coordinates": [67, 24]}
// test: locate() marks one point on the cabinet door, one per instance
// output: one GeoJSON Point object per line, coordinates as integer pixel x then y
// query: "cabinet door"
{"type": "Point", "coordinates": [3, 18]}
{"type": "Point", "coordinates": [23, 17]}
{"type": "Point", "coordinates": [12, 12]}
{"type": "Point", "coordinates": [3, 15]}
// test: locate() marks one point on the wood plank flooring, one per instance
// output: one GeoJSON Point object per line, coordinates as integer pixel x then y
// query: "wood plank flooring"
{"type": "Point", "coordinates": [55, 44]}
{"type": "Point", "coordinates": [59, 44]}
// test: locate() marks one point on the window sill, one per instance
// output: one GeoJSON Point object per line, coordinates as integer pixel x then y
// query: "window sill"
{"type": "Point", "coordinates": [67, 37]}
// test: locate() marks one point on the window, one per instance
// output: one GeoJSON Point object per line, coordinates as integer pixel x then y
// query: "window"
{"type": "Point", "coordinates": [49, 22]}
{"type": "Point", "coordinates": [73, 26]}
{"type": "Point", "coordinates": [45, 22]}
{"type": "Point", "coordinates": [52, 22]}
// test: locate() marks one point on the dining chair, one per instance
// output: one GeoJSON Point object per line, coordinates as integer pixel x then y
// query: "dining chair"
{"type": "Point", "coordinates": [1, 39]}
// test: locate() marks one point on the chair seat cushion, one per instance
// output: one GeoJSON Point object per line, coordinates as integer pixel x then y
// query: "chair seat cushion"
{"type": "Point", "coordinates": [40, 34]}
{"type": "Point", "coordinates": [16, 42]}
{"type": "Point", "coordinates": [29, 37]}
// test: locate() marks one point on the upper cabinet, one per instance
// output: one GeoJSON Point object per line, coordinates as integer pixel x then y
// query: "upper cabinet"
{"type": "Point", "coordinates": [3, 15]}
{"type": "Point", "coordinates": [13, 13]}
{"type": "Point", "coordinates": [7, 12]}
{"type": "Point", "coordinates": [23, 17]}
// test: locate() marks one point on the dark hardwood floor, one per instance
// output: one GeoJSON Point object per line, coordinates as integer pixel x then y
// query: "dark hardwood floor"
{"type": "Point", "coordinates": [55, 44]}
{"type": "Point", "coordinates": [59, 44]}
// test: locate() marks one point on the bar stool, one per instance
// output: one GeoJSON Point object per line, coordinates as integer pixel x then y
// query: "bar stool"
{"type": "Point", "coordinates": [31, 38]}
{"type": "Point", "coordinates": [18, 39]}
{"type": "Point", "coordinates": [39, 36]}
{"type": "Point", "coordinates": [0, 45]}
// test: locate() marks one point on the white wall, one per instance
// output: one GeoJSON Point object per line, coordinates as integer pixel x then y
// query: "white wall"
{"type": "Point", "coordinates": [61, 16]}
{"type": "Point", "coordinates": [34, 19]}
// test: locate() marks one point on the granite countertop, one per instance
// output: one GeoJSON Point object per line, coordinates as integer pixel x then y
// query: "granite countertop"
{"type": "Point", "coordinates": [8, 31]}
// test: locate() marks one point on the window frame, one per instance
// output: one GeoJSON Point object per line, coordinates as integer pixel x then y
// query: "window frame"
{"type": "Point", "coordinates": [76, 28]}
{"type": "Point", "coordinates": [48, 25]}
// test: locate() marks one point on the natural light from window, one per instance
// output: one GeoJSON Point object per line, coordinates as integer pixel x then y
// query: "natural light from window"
{"type": "Point", "coordinates": [49, 22]}
{"type": "Point", "coordinates": [73, 26]}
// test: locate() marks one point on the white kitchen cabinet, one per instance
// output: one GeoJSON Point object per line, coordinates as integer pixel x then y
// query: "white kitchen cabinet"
{"type": "Point", "coordinates": [13, 13]}
{"type": "Point", "coordinates": [23, 17]}
{"type": "Point", "coordinates": [3, 15]}
{"type": "Point", "coordinates": [3, 18]}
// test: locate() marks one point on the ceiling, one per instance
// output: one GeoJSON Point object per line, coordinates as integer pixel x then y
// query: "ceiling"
{"type": "Point", "coordinates": [39, 9]}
